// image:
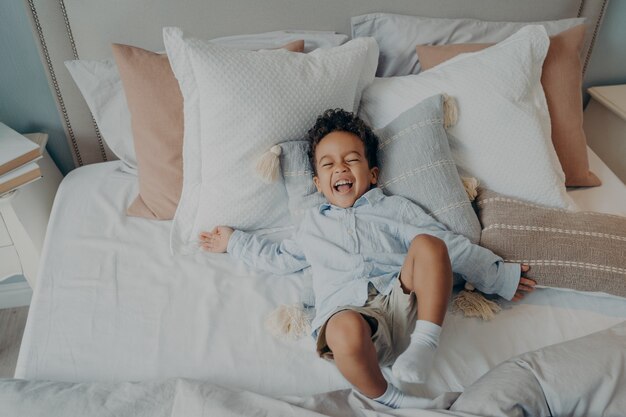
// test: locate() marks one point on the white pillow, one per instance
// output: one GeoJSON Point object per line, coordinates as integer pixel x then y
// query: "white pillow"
{"type": "Point", "coordinates": [313, 39]}
{"type": "Point", "coordinates": [237, 105]}
{"type": "Point", "coordinates": [398, 35]}
{"type": "Point", "coordinates": [503, 132]}
{"type": "Point", "coordinates": [100, 84]}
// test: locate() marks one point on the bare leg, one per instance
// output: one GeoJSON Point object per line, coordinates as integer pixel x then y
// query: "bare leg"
{"type": "Point", "coordinates": [428, 273]}
{"type": "Point", "coordinates": [349, 338]}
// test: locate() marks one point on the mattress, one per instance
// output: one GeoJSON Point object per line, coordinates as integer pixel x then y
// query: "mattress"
{"type": "Point", "coordinates": [610, 197]}
{"type": "Point", "coordinates": [112, 304]}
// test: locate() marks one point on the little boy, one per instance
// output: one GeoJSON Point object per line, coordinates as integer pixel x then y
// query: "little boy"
{"type": "Point", "coordinates": [382, 267]}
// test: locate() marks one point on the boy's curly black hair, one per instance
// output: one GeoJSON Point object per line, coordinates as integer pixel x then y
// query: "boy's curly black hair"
{"type": "Point", "coordinates": [333, 120]}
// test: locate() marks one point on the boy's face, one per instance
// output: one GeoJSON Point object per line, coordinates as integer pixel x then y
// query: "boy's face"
{"type": "Point", "coordinates": [343, 172]}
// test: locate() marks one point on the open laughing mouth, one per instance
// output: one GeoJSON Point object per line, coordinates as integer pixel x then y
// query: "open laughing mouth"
{"type": "Point", "coordinates": [343, 186]}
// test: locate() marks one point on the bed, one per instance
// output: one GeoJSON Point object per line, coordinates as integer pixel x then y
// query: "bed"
{"type": "Point", "coordinates": [114, 305]}
{"type": "Point", "coordinates": [120, 310]}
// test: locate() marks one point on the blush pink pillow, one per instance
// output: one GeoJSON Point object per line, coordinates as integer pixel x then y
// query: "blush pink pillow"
{"type": "Point", "coordinates": [562, 84]}
{"type": "Point", "coordinates": [156, 107]}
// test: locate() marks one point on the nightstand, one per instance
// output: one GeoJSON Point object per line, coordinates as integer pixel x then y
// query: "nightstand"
{"type": "Point", "coordinates": [24, 215]}
{"type": "Point", "coordinates": [605, 126]}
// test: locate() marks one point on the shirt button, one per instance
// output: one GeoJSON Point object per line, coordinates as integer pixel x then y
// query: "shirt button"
{"type": "Point", "coordinates": [349, 232]}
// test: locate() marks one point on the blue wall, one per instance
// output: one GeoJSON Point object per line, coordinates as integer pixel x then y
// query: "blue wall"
{"type": "Point", "coordinates": [608, 60]}
{"type": "Point", "coordinates": [27, 104]}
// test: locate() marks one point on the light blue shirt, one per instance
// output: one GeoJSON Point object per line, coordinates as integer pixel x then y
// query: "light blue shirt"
{"type": "Point", "coordinates": [348, 248]}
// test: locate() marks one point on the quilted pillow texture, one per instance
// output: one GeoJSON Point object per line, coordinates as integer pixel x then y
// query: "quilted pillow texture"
{"type": "Point", "coordinates": [100, 84]}
{"type": "Point", "coordinates": [562, 83]}
{"type": "Point", "coordinates": [156, 107]}
{"type": "Point", "coordinates": [583, 251]}
{"type": "Point", "coordinates": [502, 137]}
{"type": "Point", "coordinates": [237, 105]}
{"type": "Point", "coordinates": [398, 34]}
{"type": "Point", "coordinates": [415, 163]}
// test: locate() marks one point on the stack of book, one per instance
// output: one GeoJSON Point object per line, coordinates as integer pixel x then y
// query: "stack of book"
{"type": "Point", "coordinates": [17, 160]}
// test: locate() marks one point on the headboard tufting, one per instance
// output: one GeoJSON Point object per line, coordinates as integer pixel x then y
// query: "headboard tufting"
{"type": "Point", "coordinates": [72, 29]}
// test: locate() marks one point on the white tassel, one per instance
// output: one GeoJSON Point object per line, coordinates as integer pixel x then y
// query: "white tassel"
{"type": "Point", "coordinates": [450, 111]}
{"type": "Point", "coordinates": [471, 187]}
{"type": "Point", "coordinates": [288, 322]}
{"type": "Point", "coordinates": [473, 304]}
{"type": "Point", "coordinates": [268, 166]}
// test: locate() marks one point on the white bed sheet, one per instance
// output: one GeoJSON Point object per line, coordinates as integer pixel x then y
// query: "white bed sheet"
{"type": "Point", "coordinates": [112, 304]}
{"type": "Point", "coordinates": [609, 198]}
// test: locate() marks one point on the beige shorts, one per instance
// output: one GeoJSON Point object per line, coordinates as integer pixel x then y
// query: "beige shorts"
{"type": "Point", "coordinates": [392, 320]}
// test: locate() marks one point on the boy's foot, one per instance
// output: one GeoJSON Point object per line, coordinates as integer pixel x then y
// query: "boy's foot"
{"type": "Point", "coordinates": [395, 398]}
{"type": "Point", "coordinates": [414, 364]}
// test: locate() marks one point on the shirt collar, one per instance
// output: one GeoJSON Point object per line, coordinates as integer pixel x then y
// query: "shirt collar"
{"type": "Point", "coordinates": [371, 197]}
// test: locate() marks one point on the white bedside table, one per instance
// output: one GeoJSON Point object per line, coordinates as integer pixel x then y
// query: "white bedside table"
{"type": "Point", "coordinates": [24, 215]}
{"type": "Point", "coordinates": [605, 126]}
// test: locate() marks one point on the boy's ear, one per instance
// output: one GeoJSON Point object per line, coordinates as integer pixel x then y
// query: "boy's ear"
{"type": "Point", "coordinates": [374, 172]}
{"type": "Point", "coordinates": [316, 181]}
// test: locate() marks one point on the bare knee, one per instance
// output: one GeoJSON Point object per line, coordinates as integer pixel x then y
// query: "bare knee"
{"type": "Point", "coordinates": [428, 260]}
{"type": "Point", "coordinates": [347, 332]}
{"type": "Point", "coordinates": [429, 246]}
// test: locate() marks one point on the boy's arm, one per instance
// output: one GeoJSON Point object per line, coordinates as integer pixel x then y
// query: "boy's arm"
{"type": "Point", "coordinates": [260, 253]}
{"type": "Point", "coordinates": [479, 266]}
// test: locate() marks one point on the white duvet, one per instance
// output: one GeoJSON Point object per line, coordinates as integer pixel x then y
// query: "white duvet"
{"type": "Point", "coordinates": [112, 304]}
{"type": "Point", "coordinates": [578, 378]}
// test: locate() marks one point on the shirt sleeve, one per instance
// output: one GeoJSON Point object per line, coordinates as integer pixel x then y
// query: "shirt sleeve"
{"type": "Point", "coordinates": [479, 266]}
{"type": "Point", "coordinates": [278, 258]}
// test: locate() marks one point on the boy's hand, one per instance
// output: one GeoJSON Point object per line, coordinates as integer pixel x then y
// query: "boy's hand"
{"type": "Point", "coordinates": [216, 240]}
{"type": "Point", "coordinates": [525, 285]}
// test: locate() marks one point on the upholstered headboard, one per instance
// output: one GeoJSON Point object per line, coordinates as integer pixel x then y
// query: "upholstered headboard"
{"type": "Point", "coordinates": [73, 29]}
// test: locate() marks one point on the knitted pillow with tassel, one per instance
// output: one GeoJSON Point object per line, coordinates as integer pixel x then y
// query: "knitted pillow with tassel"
{"type": "Point", "coordinates": [415, 163]}
{"type": "Point", "coordinates": [583, 251]}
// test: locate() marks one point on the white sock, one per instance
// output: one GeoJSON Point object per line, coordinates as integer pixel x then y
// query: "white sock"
{"type": "Point", "coordinates": [395, 398]}
{"type": "Point", "coordinates": [392, 396]}
{"type": "Point", "coordinates": [414, 364]}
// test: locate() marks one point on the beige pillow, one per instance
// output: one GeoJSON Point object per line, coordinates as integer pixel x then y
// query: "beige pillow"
{"type": "Point", "coordinates": [583, 251]}
{"type": "Point", "coordinates": [156, 106]}
{"type": "Point", "coordinates": [562, 84]}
